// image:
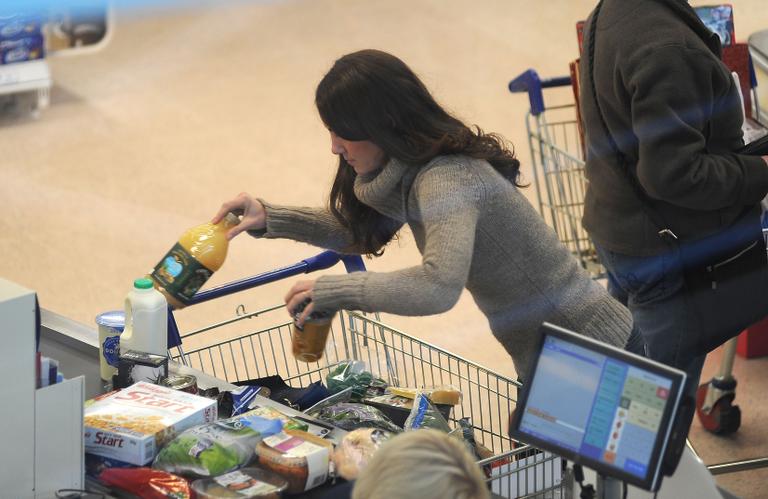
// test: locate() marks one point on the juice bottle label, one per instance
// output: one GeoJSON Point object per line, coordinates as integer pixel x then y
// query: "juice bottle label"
{"type": "Point", "coordinates": [181, 274]}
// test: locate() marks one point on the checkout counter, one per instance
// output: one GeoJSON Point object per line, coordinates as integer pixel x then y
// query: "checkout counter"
{"type": "Point", "coordinates": [41, 469]}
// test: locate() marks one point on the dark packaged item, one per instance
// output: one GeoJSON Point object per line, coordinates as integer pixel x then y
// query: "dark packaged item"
{"type": "Point", "coordinates": [247, 483]}
{"type": "Point", "coordinates": [216, 448]}
{"type": "Point", "coordinates": [275, 388]}
{"type": "Point", "coordinates": [140, 366]}
{"type": "Point", "coordinates": [398, 408]}
{"type": "Point", "coordinates": [351, 416]}
{"type": "Point", "coordinates": [337, 398]}
{"type": "Point", "coordinates": [425, 415]}
{"type": "Point", "coordinates": [181, 382]}
{"type": "Point", "coordinates": [95, 464]}
{"type": "Point", "coordinates": [478, 450]}
{"type": "Point", "coordinates": [353, 374]}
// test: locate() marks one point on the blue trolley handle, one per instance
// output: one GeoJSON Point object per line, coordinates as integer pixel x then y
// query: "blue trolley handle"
{"type": "Point", "coordinates": [324, 260]}
{"type": "Point", "coordinates": [529, 81]}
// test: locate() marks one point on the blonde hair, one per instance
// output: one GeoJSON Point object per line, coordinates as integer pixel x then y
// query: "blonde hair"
{"type": "Point", "coordinates": [422, 464]}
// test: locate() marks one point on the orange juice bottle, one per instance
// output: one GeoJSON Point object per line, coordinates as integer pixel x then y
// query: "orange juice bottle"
{"type": "Point", "coordinates": [199, 253]}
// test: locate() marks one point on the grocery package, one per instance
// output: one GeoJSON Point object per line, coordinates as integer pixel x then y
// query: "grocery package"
{"type": "Point", "coordinates": [242, 398]}
{"type": "Point", "coordinates": [20, 25]}
{"type": "Point", "coordinates": [356, 450]}
{"type": "Point", "coordinates": [275, 388]}
{"type": "Point", "coordinates": [244, 483]}
{"type": "Point", "coordinates": [146, 483]}
{"type": "Point", "coordinates": [200, 252]}
{"type": "Point", "coordinates": [289, 423]}
{"type": "Point", "coordinates": [185, 383]}
{"type": "Point", "coordinates": [215, 448]}
{"type": "Point", "coordinates": [351, 416]}
{"type": "Point", "coordinates": [444, 394]}
{"type": "Point", "coordinates": [21, 38]}
{"type": "Point", "coordinates": [135, 366]}
{"type": "Point", "coordinates": [23, 49]}
{"type": "Point", "coordinates": [146, 320]}
{"type": "Point", "coordinates": [337, 398]}
{"type": "Point", "coordinates": [398, 408]}
{"type": "Point", "coordinates": [353, 374]}
{"type": "Point", "coordinates": [132, 424]}
{"type": "Point", "coordinates": [425, 415]}
{"type": "Point", "coordinates": [94, 464]}
{"type": "Point", "coordinates": [478, 450]}
{"type": "Point", "coordinates": [299, 457]}
{"type": "Point", "coordinates": [308, 341]}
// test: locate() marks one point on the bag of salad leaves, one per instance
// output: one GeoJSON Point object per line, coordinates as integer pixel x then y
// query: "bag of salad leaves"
{"type": "Point", "coordinates": [215, 448]}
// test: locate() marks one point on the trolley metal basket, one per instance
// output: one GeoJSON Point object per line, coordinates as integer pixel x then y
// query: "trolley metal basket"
{"type": "Point", "coordinates": [557, 160]}
{"type": "Point", "coordinates": [488, 398]}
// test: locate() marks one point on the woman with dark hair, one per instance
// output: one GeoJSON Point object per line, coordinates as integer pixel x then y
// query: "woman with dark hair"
{"type": "Point", "coordinates": [404, 159]}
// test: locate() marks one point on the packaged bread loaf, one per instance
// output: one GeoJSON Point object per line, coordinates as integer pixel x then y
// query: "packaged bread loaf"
{"type": "Point", "coordinates": [299, 457]}
{"type": "Point", "coordinates": [356, 450]}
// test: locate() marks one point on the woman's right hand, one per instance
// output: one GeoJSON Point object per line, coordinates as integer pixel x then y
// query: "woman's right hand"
{"type": "Point", "coordinates": [254, 216]}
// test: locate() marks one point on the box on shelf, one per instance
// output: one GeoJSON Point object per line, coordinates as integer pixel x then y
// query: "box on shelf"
{"type": "Point", "coordinates": [28, 48]}
{"type": "Point", "coordinates": [131, 425]}
{"type": "Point", "coordinates": [18, 26]}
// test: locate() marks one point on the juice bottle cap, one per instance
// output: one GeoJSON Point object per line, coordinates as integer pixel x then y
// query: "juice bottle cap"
{"type": "Point", "coordinates": [142, 283]}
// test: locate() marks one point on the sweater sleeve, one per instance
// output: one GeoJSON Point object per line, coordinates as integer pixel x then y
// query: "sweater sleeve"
{"type": "Point", "coordinates": [315, 226]}
{"type": "Point", "coordinates": [448, 204]}
{"type": "Point", "coordinates": [670, 121]}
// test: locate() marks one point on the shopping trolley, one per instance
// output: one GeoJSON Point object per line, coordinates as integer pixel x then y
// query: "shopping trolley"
{"type": "Point", "coordinates": [515, 470]}
{"type": "Point", "coordinates": [557, 160]}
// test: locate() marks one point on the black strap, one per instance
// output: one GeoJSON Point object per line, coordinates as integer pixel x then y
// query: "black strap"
{"type": "Point", "coordinates": [658, 220]}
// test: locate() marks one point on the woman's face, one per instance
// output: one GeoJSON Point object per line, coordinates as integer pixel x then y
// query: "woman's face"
{"type": "Point", "coordinates": [362, 155]}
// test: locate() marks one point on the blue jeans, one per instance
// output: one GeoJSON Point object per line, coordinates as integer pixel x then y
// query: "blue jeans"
{"type": "Point", "coordinates": [654, 291]}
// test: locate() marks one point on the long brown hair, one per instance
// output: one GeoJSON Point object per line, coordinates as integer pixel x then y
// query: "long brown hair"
{"type": "Point", "coordinates": [372, 95]}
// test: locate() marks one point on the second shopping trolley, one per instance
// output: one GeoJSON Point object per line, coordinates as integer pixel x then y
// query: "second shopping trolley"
{"type": "Point", "coordinates": [557, 159]}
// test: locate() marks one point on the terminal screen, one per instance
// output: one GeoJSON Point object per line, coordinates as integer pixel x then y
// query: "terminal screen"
{"type": "Point", "coordinates": [598, 407]}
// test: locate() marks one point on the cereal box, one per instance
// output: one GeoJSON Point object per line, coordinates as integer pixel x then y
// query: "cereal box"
{"type": "Point", "coordinates": [131, 425]}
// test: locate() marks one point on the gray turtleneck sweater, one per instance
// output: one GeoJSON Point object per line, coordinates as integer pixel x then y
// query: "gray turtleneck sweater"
{"type": "Point", "coordinates": [474, 229]}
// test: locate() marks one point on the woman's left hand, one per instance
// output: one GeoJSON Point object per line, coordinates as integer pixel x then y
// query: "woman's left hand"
{"type": "Point", "coordinates": [299, 293]}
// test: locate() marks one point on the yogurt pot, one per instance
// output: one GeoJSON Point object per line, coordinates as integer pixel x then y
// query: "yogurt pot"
{"type": "Point", "coordinates": [111, 325]}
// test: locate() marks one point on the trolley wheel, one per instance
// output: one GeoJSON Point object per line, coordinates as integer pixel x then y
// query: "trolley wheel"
{"type": "Point", "coordinates": [724, 418]}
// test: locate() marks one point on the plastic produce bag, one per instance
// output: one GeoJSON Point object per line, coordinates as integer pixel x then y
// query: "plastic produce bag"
{"type": "Point", "coordinates": [215, 448]}
{"type": "Point", "coordinates": [351, 416]}
{"type": "Point", "coordinates": [353, 374]}
{"type": "Point", "coordinates": [425, 415]}
{"type": "Point", "coordinates": [356, 450]}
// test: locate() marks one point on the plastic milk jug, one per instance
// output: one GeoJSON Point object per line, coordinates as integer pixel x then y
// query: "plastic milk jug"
{"type": "Point", "coordinates": [146, 320]}
{"type": "Point", "coordinates": [200, 252]}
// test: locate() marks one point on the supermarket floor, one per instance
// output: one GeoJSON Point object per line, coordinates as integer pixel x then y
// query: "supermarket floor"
{"type": "Point", "coordinates": [186, 107]}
